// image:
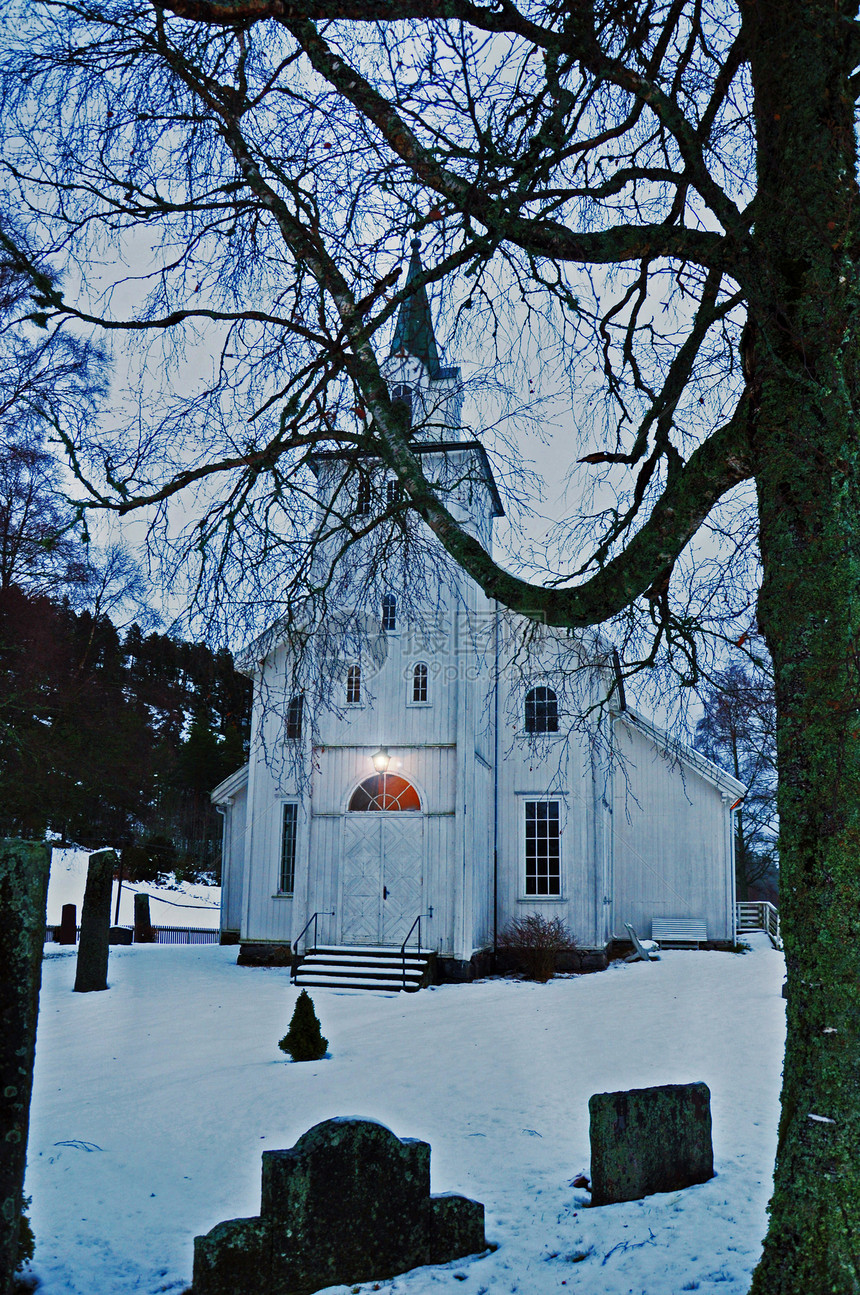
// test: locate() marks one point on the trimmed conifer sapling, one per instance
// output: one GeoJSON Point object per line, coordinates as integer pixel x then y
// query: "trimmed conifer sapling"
{"type": "Point", "coordinates": [304, 1040]}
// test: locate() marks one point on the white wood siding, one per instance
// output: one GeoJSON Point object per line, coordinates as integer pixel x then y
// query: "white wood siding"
{"type": "Point", "coordinates": [671, 843]}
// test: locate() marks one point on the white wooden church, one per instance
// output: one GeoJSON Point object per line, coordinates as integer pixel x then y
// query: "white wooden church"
{"type": "Point", "coordinates": [451, 778]}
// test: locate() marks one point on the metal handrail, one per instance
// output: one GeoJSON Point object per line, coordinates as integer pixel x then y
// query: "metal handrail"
{"type": "Point", "coordinates": [417, 923]}
{"type": "Point", "coordinates": [294, 947]}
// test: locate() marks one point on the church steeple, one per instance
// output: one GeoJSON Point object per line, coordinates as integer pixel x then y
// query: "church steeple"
{"type": "Point", "coordinates": [413, 333]}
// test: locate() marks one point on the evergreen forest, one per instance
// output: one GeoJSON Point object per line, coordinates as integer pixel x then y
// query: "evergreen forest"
{"type": "Point", "coordinates": [115, 739]}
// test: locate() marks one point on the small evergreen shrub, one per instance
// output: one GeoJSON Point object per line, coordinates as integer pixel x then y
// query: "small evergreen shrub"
{"type": "Point", "coordinates": [304, 1040]}
{"type": "Point", "coordinates": [535, 940]}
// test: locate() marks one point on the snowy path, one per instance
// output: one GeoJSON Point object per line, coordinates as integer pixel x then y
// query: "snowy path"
{"type": "Point", "coordinates": [153, 1102]}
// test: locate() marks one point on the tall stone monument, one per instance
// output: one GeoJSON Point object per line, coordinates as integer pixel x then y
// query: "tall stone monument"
{"type": "Point", "coordinates": [94, 946]}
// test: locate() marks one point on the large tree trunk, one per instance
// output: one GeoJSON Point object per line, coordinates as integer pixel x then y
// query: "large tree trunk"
{"type": "Point", "coordinates": [808, 475]}
{"type": "Point", "coordinates": [24, 867]}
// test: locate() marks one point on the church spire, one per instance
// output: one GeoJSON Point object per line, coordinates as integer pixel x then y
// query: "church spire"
{"type": "Point", "coordinates": [414, 330]}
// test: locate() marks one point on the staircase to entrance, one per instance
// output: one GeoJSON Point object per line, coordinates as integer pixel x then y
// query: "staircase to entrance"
{"type": "Point", "coordinates": [365, 967]}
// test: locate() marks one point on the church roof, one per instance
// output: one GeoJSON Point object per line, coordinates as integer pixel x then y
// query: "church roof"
{"type": "Point", "coordinates": [413, 332]}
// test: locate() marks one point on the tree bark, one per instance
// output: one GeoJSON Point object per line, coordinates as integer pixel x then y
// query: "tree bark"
{"type": "Point", "coordinates": [24, 867]}
{"type": "Point", "coordinates": [808, 479]}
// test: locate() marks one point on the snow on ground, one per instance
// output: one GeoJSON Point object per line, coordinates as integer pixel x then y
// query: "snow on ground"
{"type": "Point", "coordinates": [186, 905]}
{"type": "Point", "coordinates": [154, 1100]}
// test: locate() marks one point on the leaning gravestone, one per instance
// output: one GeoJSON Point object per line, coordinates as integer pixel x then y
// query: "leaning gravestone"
{"type": "Point", "coordinates": [67, 931]}
{"type": "Point", "coordinates": [24, 867]}
{"type": "Point", "coordinates": [93, 949]}
{"type": "Point", "coordinates": [350, 1202]}
{"type": "Point", "coordinates": [649, 1140]}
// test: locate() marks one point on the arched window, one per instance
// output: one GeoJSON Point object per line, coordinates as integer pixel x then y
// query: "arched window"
{"type": "Point", "coordinates": [294, 718]}
{"type": "Point", "coordinates": [419, 682]}
{"type": "Point", "coordinates": [401, 397]}
{"type": "Point", "coordinates": [385, 791]}
{"type": "Point", "coordinates": [353, 685]}
{"type": "Point", "coordinates": [389, 613]}
{"type": "Point", "coordinates": [362, 498]}
{"type": "Point", "coordinates": [541, 711]}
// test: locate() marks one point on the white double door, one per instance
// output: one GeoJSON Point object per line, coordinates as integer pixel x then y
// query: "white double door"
{"type": "Point", "coordinates": [381, 876]}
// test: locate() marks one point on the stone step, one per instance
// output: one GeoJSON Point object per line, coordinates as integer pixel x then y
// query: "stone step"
{"type": "Point", "coordinates": [364, 972]}
{"type": "Point", "coordinates": [336, 982]}
{"type": "Point", "coordinates": [332, 960]}
{"type": "Point", "coordinates": [362, 967]}
{"type": "Point", "coordinates": [375, 950]}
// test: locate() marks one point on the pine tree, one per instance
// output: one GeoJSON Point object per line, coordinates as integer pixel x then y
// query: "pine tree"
{"type": "Point", "coordinates": [304, 1040]}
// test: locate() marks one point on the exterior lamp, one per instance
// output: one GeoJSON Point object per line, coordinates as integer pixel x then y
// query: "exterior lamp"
{"type": "Point", "coordinates": [381, 759]}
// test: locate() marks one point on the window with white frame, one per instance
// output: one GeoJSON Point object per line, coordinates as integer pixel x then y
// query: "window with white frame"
{"type": "Point", "coordinates": [420, 689]}
{"type": "Point", "coordinates": [353, 685]}
{"type": "Point", "coordinates": [392, 493]}
{"type": "Point", "coordinates": [289, 836]}
{"type": "Point", "coordinates": [389, 613]}
{"type": "Point", "coordinates": [362, 498]}
{"type": "Point", "coordinates": [541, 711]}
{"type": "Point", "coordinates": [294, 718]}
{"type": "Point", "coordinates": [543, 847]}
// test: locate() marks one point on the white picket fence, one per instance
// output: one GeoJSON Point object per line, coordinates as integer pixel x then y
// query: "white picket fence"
{"type": "Point", "coordinates": [760, 915]}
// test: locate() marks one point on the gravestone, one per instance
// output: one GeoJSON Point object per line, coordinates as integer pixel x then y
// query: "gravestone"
{"type": "Point", "coordinates": [143, 932]}
{"type": "Point", "coordinates": [93, 950]}
{"type": "Point", "coordinates": [649, 1140]}
{"type": "Point", "coordinates": [67, 931]}
{"type": "Point", "coordinates": [24, 867]}
{"type": "Point", "coordinates": [120, 935]}
{"type": "Point", "coordinates": [349, 1203]}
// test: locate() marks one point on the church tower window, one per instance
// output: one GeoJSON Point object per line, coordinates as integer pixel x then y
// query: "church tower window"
{"type": "Point", "coordinates": [389, 613]}
{"type": "Point", "coordinates": [419, 683]}
{"type": "Point", "coordinates": [402, 397]}
{"type": "Point", "coordinates": [541, 711]}
{"type": "Point", "coordinates": [353, 685]}
{"type": "Point", "coordinates": [294, 718]}
{"type": "Point", "coordinates": [362, 498]}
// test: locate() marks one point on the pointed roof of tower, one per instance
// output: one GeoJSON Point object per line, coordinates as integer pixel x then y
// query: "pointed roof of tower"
{"type": "Point", "coordinates": [413, 332]}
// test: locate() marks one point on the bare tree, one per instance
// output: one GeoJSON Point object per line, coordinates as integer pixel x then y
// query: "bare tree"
{"type": "Point", "coordinates": [738, 731]}
{"type": "Point", "coordinates": [666, 196]}
{"type": "Point", "coordinates": [49, 383]}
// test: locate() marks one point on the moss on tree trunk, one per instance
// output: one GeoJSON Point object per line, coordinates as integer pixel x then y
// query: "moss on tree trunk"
{"type": "Point", "coordinates": [808, 476]}
{"type": "Point", "coordinates": [24, 869]}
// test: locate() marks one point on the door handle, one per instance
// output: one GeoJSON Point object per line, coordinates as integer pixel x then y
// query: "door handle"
{"type": "Point", "coordinates": [384, 892]}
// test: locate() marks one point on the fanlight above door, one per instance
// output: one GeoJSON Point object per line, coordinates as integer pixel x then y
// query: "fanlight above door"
{"type": "Point", "coordinates": [385, 791]}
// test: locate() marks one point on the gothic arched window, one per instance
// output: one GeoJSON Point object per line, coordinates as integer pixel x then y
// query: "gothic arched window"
{"type": "Point", "coordinates": [386, 791]}
{"type": "Point", "coordinates": [389, 613]}
{"type": "Point", "coordinates": [294, 718]}
{"type": "Point", "coordinates": [419, 682]}
{"type": "Point", "coordinates": [362, 498]}
{"type": "Point", "coordinates": [353, 685]}
{"type": "Point", "coordinates": [401, 397]}
{"type": "Point", "coordinates": [541, 711]}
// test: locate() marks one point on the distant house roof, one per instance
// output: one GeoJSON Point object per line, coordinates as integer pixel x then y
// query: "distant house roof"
{"type": "Point", "coordinates": [413, 332]}
{"type": "Point", "coordinates": [230, 787]}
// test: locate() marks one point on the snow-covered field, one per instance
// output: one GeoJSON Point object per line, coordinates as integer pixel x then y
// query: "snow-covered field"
{"type": "Point", "coordinates": [188, 905]}
{"type": "Point", "coordinates": [153, 1102]}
